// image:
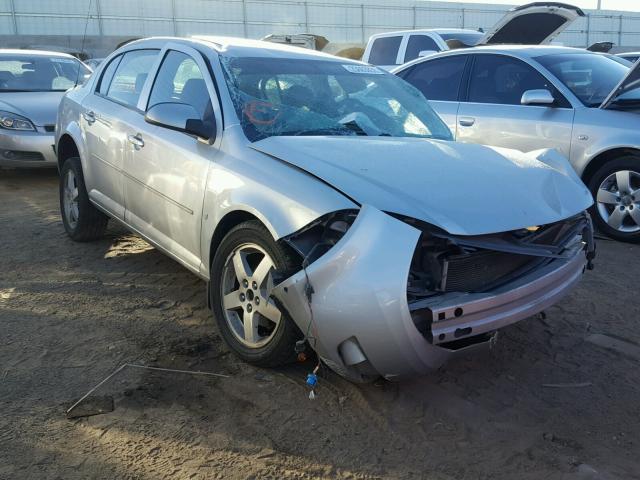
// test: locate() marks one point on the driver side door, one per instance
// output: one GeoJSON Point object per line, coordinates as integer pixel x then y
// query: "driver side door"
{"type": "Point", "coordinates": [166, 170]}
{"type": "Point", "coordinates": [491, 113]}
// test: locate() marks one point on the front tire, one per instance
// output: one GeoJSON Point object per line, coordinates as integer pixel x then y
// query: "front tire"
{"type": "Point", "coordinates": [82, 221]}
{"type": "Point", "coordinates": [250, 322]}
{"type": "Point", "coordinates": [616, 192]}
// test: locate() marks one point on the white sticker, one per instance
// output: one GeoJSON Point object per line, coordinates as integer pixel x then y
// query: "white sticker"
{"type": "Point", "coordinates": [64, 60]}
{"type": "Point", "coordinates": [363, 69]}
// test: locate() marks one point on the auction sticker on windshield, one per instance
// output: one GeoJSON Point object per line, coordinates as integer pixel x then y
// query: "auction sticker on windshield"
{"type": "Point", "coordinates": [364, 69]}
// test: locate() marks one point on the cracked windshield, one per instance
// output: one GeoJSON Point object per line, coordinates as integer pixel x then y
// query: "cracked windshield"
{"type": "Point", "coordinates": [278, 97]}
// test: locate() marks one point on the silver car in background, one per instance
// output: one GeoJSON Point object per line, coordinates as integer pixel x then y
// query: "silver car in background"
{"type": "Point", "coordinates": [322, 199]}
{"type": "Point", "coordinates": [32, 84]}
{"type": "Point", "coordinates": [583, 104]}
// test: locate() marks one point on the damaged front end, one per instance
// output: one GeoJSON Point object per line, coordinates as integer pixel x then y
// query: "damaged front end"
{"type": "Point", "coordinates": [391, 296]}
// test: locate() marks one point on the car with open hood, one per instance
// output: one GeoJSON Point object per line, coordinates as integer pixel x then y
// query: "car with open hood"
{"type": "Point", "coordinates": [32, 83]}
{"type": "Point", "coordinates": [583, 104]}
{"type": "Point", "coordinates": [537, 23]}
{"type": "Point", "coordinates": [323, 200]}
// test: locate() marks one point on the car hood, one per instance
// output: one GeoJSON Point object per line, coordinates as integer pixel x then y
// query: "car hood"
{"type": "Point", "coordinates": [537, 23]}
{"type": "Point", "coordinates": [465, 189]}
{"type": "Point", "coordinates": [39, 107]}
{"type": "Point", "coordinates": [630, 82]}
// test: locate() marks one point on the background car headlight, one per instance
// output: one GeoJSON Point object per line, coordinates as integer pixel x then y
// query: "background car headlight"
{"type": "Point", "coordinates": [12, 121]}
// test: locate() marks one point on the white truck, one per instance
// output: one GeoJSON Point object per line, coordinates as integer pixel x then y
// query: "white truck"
{"type": "Point", "coordinates": [532, 24]}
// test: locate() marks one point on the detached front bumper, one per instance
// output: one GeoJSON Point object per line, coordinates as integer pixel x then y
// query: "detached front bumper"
{"type": "Point", "coordinates": [359, 318]}
{"type": "Point", "coordinates": [27, 149]}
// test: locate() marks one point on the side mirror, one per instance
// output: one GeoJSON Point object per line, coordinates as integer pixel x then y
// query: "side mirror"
{"type": "Point", "coordinates": [537, 97]}
{"type": "Point", "coordinates": [426, 53]}
{"type": "Point", "coordinates": [182, 118]}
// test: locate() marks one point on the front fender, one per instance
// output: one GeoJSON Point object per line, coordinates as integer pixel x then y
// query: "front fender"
{"type": "Point", "coordinates": [284, 199]}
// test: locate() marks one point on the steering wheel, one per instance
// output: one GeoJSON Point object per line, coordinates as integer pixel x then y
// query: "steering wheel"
{"type": "Point", "coordinates": [260, 112]}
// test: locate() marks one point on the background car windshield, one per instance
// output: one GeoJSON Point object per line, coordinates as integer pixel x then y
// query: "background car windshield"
{"type": "Point", "coordinates": [19, 73]}
{"type": "Point", "coordinates": [314, 97]}
{"type": "Point", "coordinates": [591, 77]}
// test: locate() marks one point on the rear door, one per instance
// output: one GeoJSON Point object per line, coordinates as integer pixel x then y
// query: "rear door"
{"type": "Point", "coordinates": [440, 82]}
{"type": "Point", "coordinates": [166, 170]}
{"type": "Point", "coordinates": [490, 112]}
{"type": "Point", "coordinates": [106, 114]}
{"type": "Point", "coordinates": [536, 23]}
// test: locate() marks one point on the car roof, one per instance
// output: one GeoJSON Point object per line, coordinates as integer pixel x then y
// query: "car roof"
{"type": "Point", "coordinates": [522, 51]}
{"type": "Point", "coordinates": [41, 53]}
{"type": "Point", "coordinates": [622, 54]}
{"type": "Point", "coordinates": [426, 30]}
{"type": "Point", "coordinates": [242, 47]}
{"type": "Point", "coordinates": [525, 50]}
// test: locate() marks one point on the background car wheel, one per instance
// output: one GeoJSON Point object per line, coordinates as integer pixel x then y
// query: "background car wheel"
{"type": "Point", "coordinates": [82, 221]}
{"type": "Point", "coordinates": [250, 322]}
{"type": "Point", "coordinates": [616, 191]}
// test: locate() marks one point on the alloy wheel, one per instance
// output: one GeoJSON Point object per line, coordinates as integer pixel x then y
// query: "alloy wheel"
{"type": "Point", "coordinates": [70, 199]}
{"type": "Point", "coordinates": [618, 201]}
{"type": "Point", "coordinates": [252, 316]}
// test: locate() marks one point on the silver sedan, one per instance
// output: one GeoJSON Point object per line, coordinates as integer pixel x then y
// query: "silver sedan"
{"type": "Point", "coordinates": [32, 84]}
{"type": "Point", "coordinates": [583, 104]}
{"type": "Point", "coordinates": [323, 200]}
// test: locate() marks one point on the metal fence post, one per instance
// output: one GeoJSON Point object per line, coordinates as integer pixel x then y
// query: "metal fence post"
{"type": "Point", "coordinates": [244, 19]}
{"type": "Point", "coordinates": [362, 21]}
{"type": "Point", "coordinates": [306, 17]}
{"type": "Point", "coordinates": [13, 17]}
{"type": "Point", "coordinates": [620, 31]}
{"type": "Point", "coordinates": [588, 28]}
{"type": "Point", "coordinates": [99, 14]}
{"type": "Point", "coordinates": [173, 17]}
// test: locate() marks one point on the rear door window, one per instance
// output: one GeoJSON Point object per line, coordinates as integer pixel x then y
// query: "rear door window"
{"type": "Point", "coordinates": [438, 79]}
{"type": "Point", "coordinates": [384, 50]}
{"type": "Point", "coordinates": [130, 76]}
{"type": "Point", "coordinates": [417, 44]}
{"type": "Point", "coordinates": [107, 75]}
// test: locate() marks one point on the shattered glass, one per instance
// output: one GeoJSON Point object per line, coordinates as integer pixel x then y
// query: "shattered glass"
{"type": "Point", "coordinates": [285, 96]}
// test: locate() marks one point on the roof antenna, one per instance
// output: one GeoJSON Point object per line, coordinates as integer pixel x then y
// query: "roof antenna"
{"type": "Point", "coordinates": [84, 37]}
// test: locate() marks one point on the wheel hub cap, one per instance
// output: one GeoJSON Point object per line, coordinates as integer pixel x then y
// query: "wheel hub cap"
{"type": "Point", "coordinates": [249, 311]}
{"type": "Point", "coordinates": [618, 201]}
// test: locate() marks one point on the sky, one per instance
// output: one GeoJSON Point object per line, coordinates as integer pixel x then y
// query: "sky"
{"type": "Point", "coordinates": [630, 5]}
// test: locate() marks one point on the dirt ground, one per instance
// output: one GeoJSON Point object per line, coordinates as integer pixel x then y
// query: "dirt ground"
{"type": "Point", "coordinates": [70, 314]}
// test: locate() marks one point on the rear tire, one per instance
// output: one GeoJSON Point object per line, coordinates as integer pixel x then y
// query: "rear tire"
{"type": "Point", "coordinates": [82, 221]}
{"type": "Point", "coordinates": [250, 322]}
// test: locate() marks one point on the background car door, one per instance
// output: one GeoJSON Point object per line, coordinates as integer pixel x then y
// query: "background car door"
{"type": "Point", "coordinates": [106, 115]}
{"type": "Point", "coordinates": [493, 115]}
{"type": "Point", "coordinates": [439, 81]}
{"type": "Point", "coordinates": [166, 170]}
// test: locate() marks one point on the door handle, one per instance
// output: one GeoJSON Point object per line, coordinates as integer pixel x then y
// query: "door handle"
{"type": "Point", "coordinates": [89, 116]}
{"type": "Point", "coordinates": [136, 140]}
{"type": "Point", "coordinates": [466, 121]}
